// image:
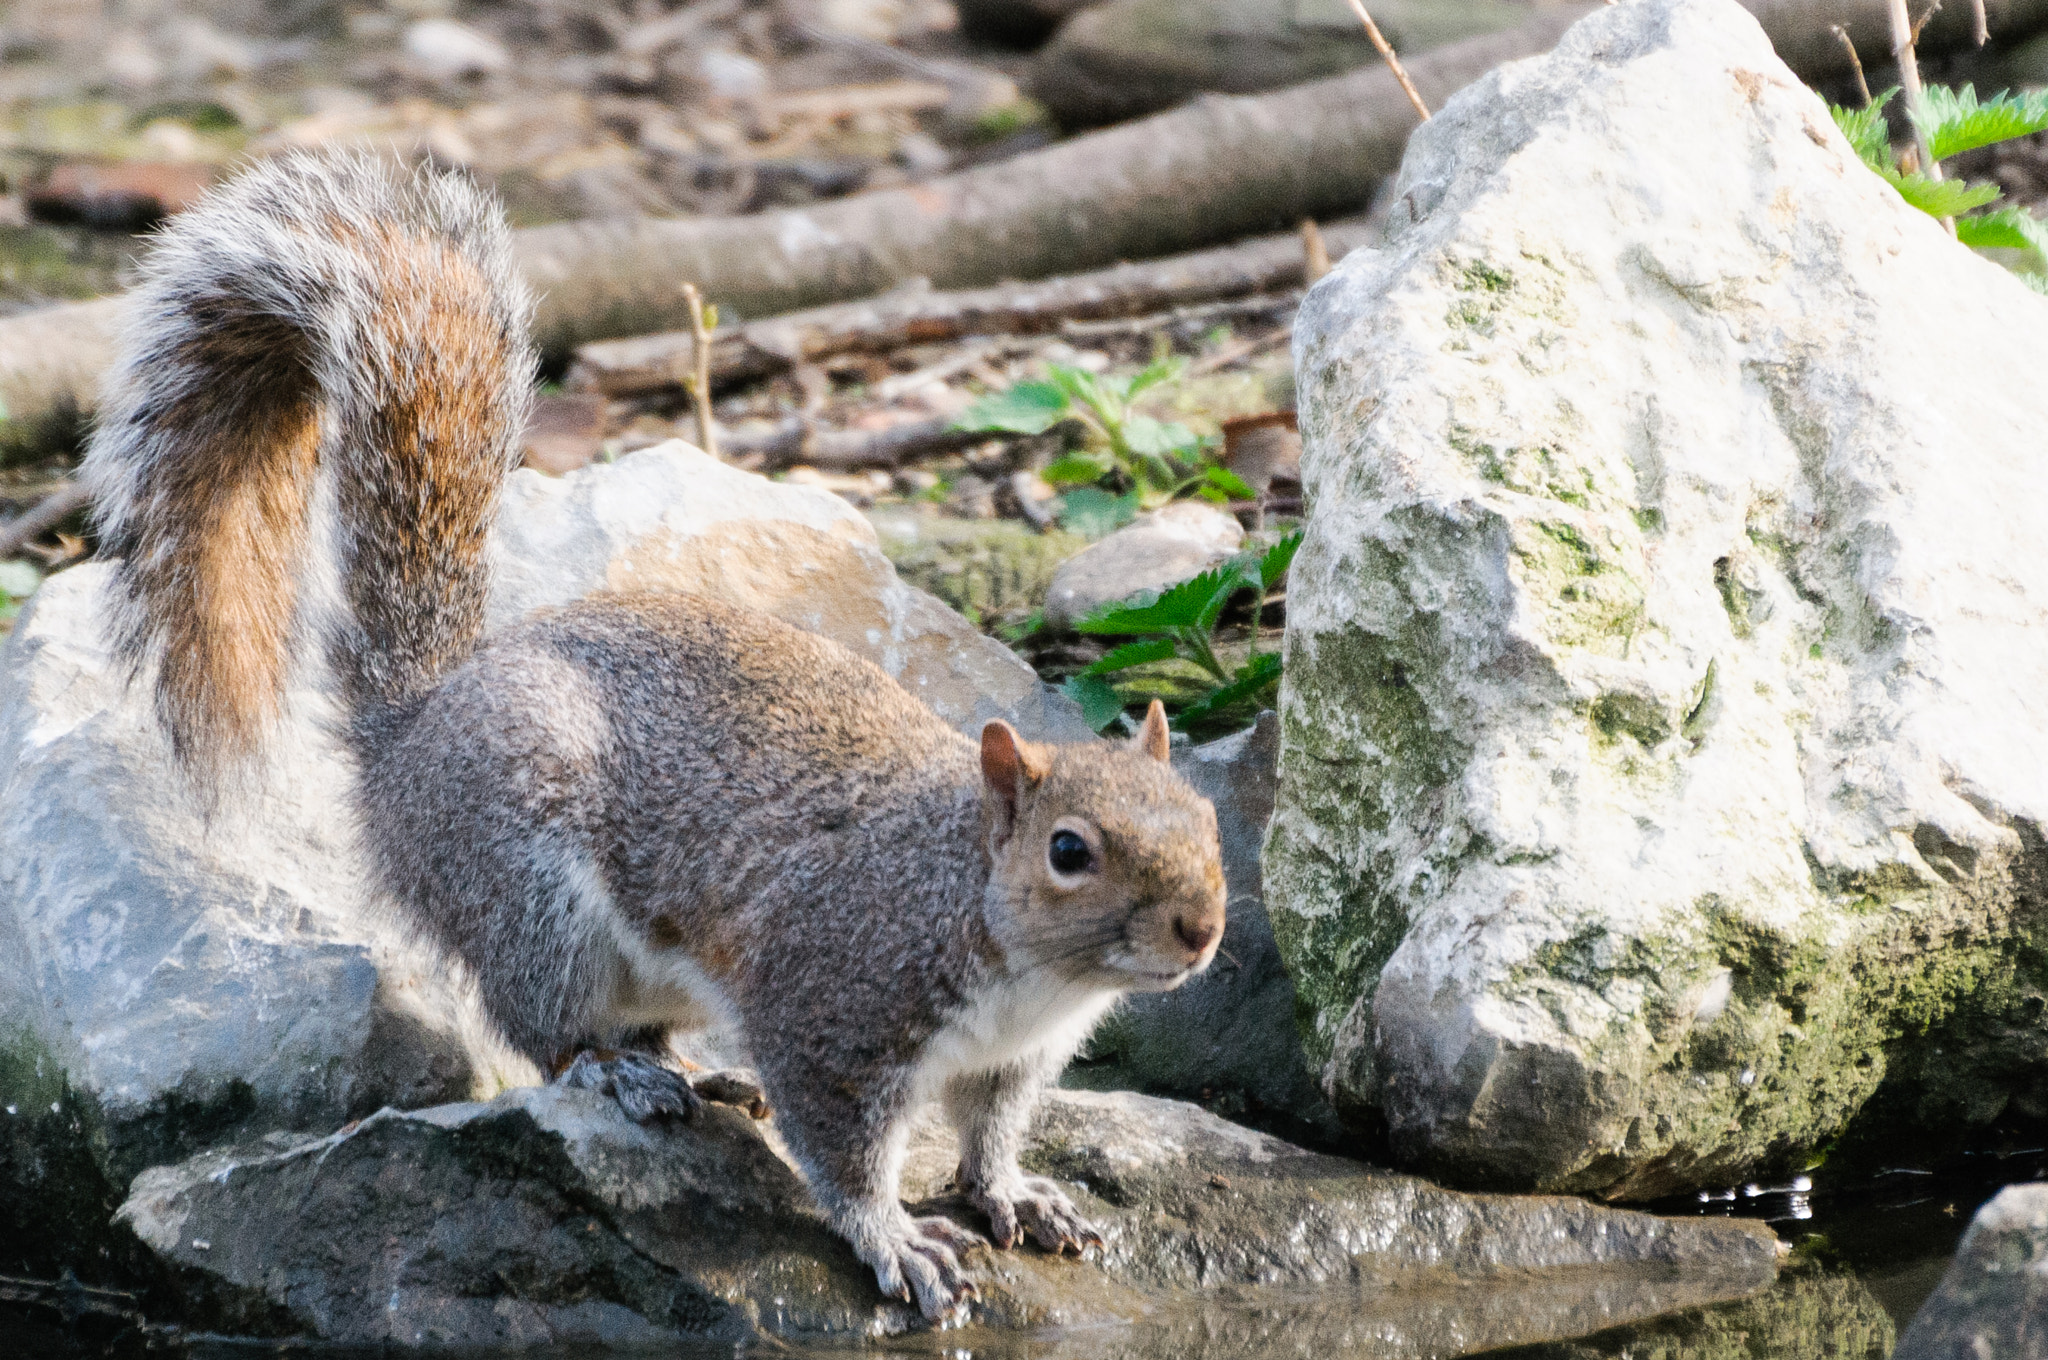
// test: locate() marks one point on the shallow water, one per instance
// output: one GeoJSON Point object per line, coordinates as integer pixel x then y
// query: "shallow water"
{"type": "Point", "coordinates": [1865, 1258]}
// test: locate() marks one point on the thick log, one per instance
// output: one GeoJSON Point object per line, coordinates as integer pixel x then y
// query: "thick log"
{"type": "Point", "coordinates": [1217, 169]}
{"type": "Point", "coordinates": [654, 363]}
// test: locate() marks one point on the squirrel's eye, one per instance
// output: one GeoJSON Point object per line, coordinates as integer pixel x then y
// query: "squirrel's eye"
{"type": "Point", "coordinates": [1069, 853]}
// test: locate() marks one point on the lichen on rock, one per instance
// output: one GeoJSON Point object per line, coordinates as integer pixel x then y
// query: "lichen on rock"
{"type": "Point", "coordinates": [1666, 713]}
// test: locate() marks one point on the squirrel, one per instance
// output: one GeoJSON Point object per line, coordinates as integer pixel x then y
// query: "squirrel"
{"type": "Point", "coordinates": [633, 815]}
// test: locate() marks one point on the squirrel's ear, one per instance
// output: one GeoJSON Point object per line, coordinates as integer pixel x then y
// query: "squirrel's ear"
{"type": "Point", "coordinates": [1153, 738]}
{"type": "Point", "coordinates": [1009, 766]}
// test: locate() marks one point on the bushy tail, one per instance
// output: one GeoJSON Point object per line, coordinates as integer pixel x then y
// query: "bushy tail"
{"type": "Point", "coordinates": [319, 313]}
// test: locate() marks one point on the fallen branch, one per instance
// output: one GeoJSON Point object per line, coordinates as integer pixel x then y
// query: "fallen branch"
{"type": "Point", "coordinates": [42, 517]}
{"type": "Point", "coordinates": [652, 363]}
{"type": "Point", "coordinates": [798, 440]}
{"type": "Point", "coordinates": [1181, 321]}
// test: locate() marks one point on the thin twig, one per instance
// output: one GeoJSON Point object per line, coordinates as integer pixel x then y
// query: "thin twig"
{"type": "Point", "coordinates": [799, 440]}
{"type": "Point", "coordinates": [1909, 80]}
{"type": "Point", "coordinates": [1980, 27]}
{"type": "Point", "coordinates": [1243, 349]}
{"type": "Point", "coordinates": [1855, 63]}
{"type": "Point", "coordinates": [1386, 51]}
{"type": "Point", "coordinates": [1315, 252]}
{"type": "Point", "coordinates": [1920, 24]}
{"type": "Point", "coordinates": [700, 377]}
{"type": "Point", "coordinates": [31, 524]}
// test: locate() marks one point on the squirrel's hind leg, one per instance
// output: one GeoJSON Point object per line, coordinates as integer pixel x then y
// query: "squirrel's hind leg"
{"type": "Point", "coordinates": [992, 1111]}
{"type": "Point", "coordinates": [851, 1148]}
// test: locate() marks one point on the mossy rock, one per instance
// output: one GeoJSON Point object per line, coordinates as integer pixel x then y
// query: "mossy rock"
{"type": "Point", "coordinates": [994, 571]}
{"type": "Point", "coordinates": [1666, 713]}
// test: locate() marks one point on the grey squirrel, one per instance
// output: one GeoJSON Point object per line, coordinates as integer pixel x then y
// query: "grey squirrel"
{"type": "Point", "coordinates": [637, 813]}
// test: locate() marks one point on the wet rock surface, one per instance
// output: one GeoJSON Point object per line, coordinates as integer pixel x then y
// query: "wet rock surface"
{"type": "Point", "coordinates": [1664, 743]}
{"type": "Point", "coordinates": [1994, 1299]}
{"type": "Point", "coordinates": [545, 1215]}
{"type": "Point", "coordinates": [167, 985]}
{"type": "Point", "coordinates": [1808, 1312]}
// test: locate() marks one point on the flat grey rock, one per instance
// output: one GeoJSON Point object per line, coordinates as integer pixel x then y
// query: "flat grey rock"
{"type": "Point", "coordinates": [545, 1215]}
{"type": "Point", "coordinates": [1161, 549]}
{"type": "Point", "coordinates": [1665, 734]}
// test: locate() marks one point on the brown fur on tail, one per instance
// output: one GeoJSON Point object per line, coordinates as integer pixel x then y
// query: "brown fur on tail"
{"type": "Point", "coordinates": [318, 315]}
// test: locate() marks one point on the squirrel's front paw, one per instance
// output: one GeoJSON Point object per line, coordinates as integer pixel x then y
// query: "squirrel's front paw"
{"type": "Point", "coordinates": [645, 1090]}
{"type": "Point", "coordinates": [922, 1265]}
{"type": "Point", "coordinates": [1038, 1207]}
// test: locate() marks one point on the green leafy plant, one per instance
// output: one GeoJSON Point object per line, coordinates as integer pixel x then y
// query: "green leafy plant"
{"type": "Point", "coordinates": [1180, 622]}
{"type": "Point", "coordinates": [1128, 461]}
{"type": "Point", "coordinates": [1949, 123]}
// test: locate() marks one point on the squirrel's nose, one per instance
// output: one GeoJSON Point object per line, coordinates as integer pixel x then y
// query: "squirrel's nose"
{"type": "Point", "coordinates": [1196, 935]}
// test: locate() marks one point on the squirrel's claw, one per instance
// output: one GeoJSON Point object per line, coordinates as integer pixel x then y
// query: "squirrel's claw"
{"type": "Point", "coordinates": [923, 1266]}
{"type": "Point", "coordinates": [1044, 1211]}
{"type": "Point", "coordinates": [1035, 1206]}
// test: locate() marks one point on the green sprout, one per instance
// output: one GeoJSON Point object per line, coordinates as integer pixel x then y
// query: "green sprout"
{"type": "Point", "coordinates": [1127, 461]}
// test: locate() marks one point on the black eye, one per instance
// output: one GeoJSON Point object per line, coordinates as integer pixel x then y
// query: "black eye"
{"type": "Point", "coordinates": [1069, 853]}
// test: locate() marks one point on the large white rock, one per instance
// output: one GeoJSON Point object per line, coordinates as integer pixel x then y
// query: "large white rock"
{"type": "Point", "coordinates": [190, 980]}
{"type": "Point", "coordinates": [1666, 716]}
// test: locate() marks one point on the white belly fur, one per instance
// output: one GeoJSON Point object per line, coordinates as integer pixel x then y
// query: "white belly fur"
{"type": "Point", "coordinates": [1013, 1020]}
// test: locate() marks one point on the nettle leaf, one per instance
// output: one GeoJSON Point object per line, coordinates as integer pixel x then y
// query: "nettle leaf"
{"type": "Point", "coordinates": [1253, 678]}
{"type": "Point", "coordinates": [1939, 197]}
{"type": "Point", "coordinates": [1027, 408]}
{"type": "Point", "coordinates": [1278, 559]}
{"type": "Point", "coordinates": [1238, 574]}
{"type": "Point", "coordinates": [1953, 121]}
{"type": "Point", "coordinates": [1186, 605]}
{"type": "Point", "coordinates": [1158, 438]}
{"type": "Point", "coordinates": [1092, 512]}
{"type": "Point", "coordinates": [2008, 228]}
{"type": "Point", "coordinates": [1866, 130]}
{"type": "Point", "coordinates": [1078, 469]}
{"type": "Point", "coordinates": [1100, 704]}
{"type": "Point", "coordinates": [1222, 479]}
{"type": "Point", "coordinates": [1133, 654]}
